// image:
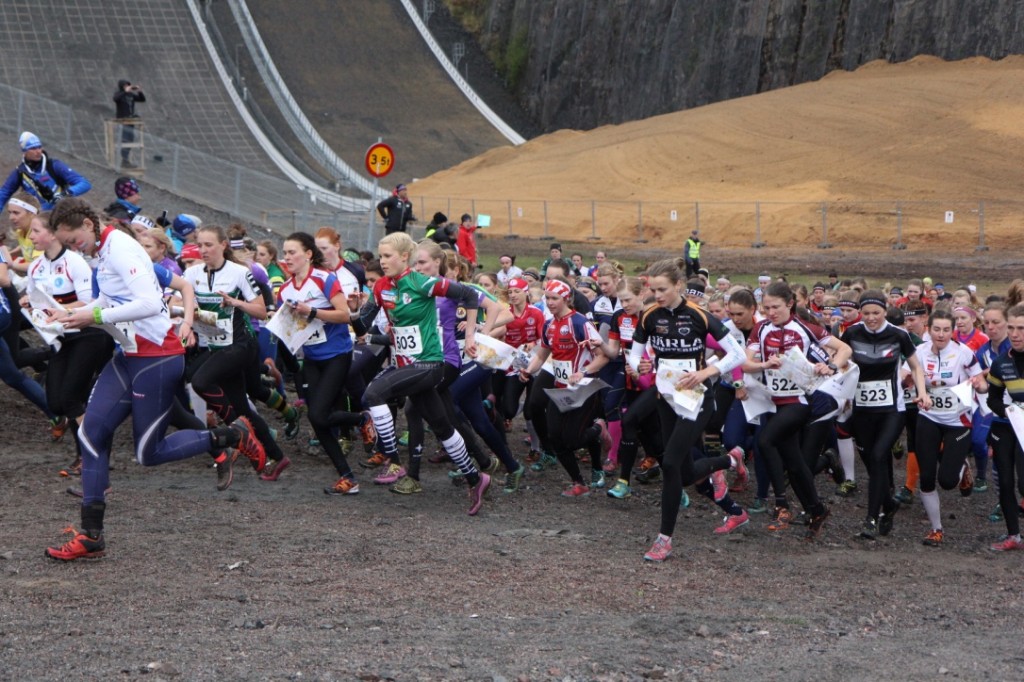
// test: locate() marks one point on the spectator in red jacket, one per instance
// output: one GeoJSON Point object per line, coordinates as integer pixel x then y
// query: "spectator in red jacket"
{"type": "Point", "coordinates": [466, 242]}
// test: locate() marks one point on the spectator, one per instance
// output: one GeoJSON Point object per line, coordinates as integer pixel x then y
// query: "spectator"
{"type": "Point", "coordinates": [183, 230]}
{"type": "Point", "coordinates": [692, 255]}
{"type": "Point", "coordinates": [124, 101]}
{"type": "Point", "coordinates": [508, 269]}
{"type": "Point", "coordinates": [127, 205]}
{"type": "Point", "coordinates": [45, 178]}
{"type": "Point", "coordinates": [440, 230]}
{"type": "Point", "coordinates": [555, 253]}
{"type": "Point", "coordinates": [576, 261]}
{"type": "Point", "coordinates": [599, 260]}
{"type": "Point", "coordinates": [466, 242]}
{"type": "Point", "coordinates": [396, 210]}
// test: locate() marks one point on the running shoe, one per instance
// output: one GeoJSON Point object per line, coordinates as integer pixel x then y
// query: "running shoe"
{"type": "Point", "coordinates": [58, 427]}
{"type": "Point", "coordinates": [719, 484]}
{"type": "Point", "coordinates": [74, 470]}
{"type": "Point", "coordinates": [346, 446]}
{"type": "Point", "coordinates": [980, 485]}
{"type": "Point", "coordinates": [869, 531]}
{"type": "Point", "coordinates": [576, 490]}
{"type": "Point", "coordinates": [897, 450]}
{"type": "Point", "coordinates": [274, 469]}
{"type": "Point", "coordinates": [610, 467]}
{"type": "Point", "coordinates": [597, 479]}
{"type": "Point", "coordinates": [966, 481]}
{"type": "Point", "coordinates": [407, 485]}
{"type": "Point", "coordinates": [780, 519]}
{"type": "Point", "coordinates": [835, 466]}
{"type": "Point", "coordinates": [605, 438]}
{"type": "Point", "coordinates": [996, 515]}
{"type": "Point", "coordinates": [476, 494]}
{"type": "Point", "coordinates": [313, 442]}
{"type": "Point", "coordinates": [816, 523]}
{"type": "Point", "coordinates": [390, 475]}
{"type": "Point", "coordinates": [905, 495]}
{"type": "Point", "coordinates": [514, 478]}
{"type": "Point", "coordinates": [225, 470]}
{"type": "Point", "coordinates": [248, 444]}
{"type": "Point", "coordinates": [81, 546]}
{"type": "Point", "coordinates": [403, 440]}
{"type": "Point", "coordinates": [492, 466]}
{"type": "Point", "coordinates": [742, 475]}
{"type": "Point", "coordinates": [732, 522]}
{"type": "Point", "coordinates": [758, 506]}
{"type": "Point", "coordinates": [273, 373]}
{"type": "Point", "coordinates": [374, 461]}
{"type": "Point", "coordinates": [367, 431]}
{"type": "Point", "coordinates": [344, 486]}
{"type": "Point", "coordinates": [933, 539]}
{"type": "Point", "coordinates": [532, 456]}
{"type": "Point", "coordinates": [291, 422]}
{"type": "Point", "coordinates": [652, 475]}
{"type": "Point", "coordinates": [620, 490]}
{"type": "Point", "coordinates": [1010, 543]}
{"type": "Point", "coordinates": [544, 462]}
{"type": "Point", "coordinates": [645, 464]}
{"type": "Point", "coordinates": [846, 489]}
{"type": "Point", "coordinates": [684, 500]}
{"type": "Point", "coordinates": [801, 519]}
{"type": "Point", "coordinates": [211, 419]}
{"type": "Point", "coordinates": [439, 457]}
{"type": "Point", "coordinates": [885, 521]}
{"type": "Point", "coordinates": [660, 550]}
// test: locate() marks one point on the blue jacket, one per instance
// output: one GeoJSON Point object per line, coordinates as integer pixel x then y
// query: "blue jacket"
{"type": "Point", "coordinates": [51, 180]}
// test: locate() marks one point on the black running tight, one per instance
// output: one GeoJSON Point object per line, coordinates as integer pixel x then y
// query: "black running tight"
{"type": "Point", "coordinates": [941, 453]}
{"type": "Point", "coordinates": [875, 433]}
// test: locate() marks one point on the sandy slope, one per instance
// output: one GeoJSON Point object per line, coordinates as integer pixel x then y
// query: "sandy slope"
{"type": "Point", "coordinates": [924, 130]}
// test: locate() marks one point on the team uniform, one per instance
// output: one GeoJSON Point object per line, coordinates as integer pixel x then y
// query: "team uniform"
{"type": "Point", "coordinates": [9, 372]}
{"type": "Point", "coordinates": [1006, 386]}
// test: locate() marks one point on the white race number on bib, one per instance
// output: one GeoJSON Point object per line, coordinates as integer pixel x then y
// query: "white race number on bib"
{"type": "Point", "coordinates": [780, 386]}
{"type": "Point", "coordinates": [874, 394]}
{"type": "Point", "coordinates": [944, 401]}
{"type": "Point", "coordinates": [680, 365]}
{"type": "Point", "coordinates": [563, 370]}
{"type": "Point", "coordinates": [408, 341]}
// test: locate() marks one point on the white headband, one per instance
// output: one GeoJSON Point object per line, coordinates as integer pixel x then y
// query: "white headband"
{"type": "Point", "coordinates": [25, 205]}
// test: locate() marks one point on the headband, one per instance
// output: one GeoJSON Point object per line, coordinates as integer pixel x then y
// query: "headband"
{"type": "Point", "coordinates": [559, 288]}
{"type": "Point", "coordinates": [237, 244]}
{"type": "Point", "coordinates": [144, 221]}
{"type": "Point", "coordinates": [871, 300]}
{"type": "Point", "coordinates": [695, 292]}
{"type": "Point", "coordinates": [964, 309]}
{"type": "Point", "coordinates": [916, 312]}
{"type": "Point", "coordinates": [518, 283]}
{"type": "Point", "coordinates": [818, 287]}
{"type": "Point", "coordinates": [24, 204]}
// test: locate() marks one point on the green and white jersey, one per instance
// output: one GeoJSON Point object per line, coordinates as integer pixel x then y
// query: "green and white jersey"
{"type": "Point", "coordinates": [231, 324]}
{"type": "Point", "coordinates": [408, 301]}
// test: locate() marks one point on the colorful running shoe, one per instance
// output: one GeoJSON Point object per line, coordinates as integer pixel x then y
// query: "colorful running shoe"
{"type": "Point", "coordinates": [597, 479]}
{"type": "Point", "coordinates": [74, 470]}
{"type": "Point", "coordinates": [81, 546]}
{"type": "Point", "coordinates": [980, 485]}
{"type": "Point", "coordinates": [390, 475]}
{"type": "Point", "coordinates": [544, 462]}
{"type": "Point", "coordinates": [291, 422]}
{"type": "Point", "coordinates": [933, 539]}
{"type": "Point", "coordinates": [835, 466]}
{"type": "Point", "coordinates": [273, 373]}
{"type": "Point", "coordinates": [274, 469]}
{"type": "Point", "coordinates": [513, 479]}
{"type": "Point", "coordinates": [720, 486]}
{"type": "Point", "coordinates": [742, 475]}
{"type": "Point", "coordinates": [225, 470]}
{"type": "Point", "coordinates": [532, 456]}
{"type": "Point", "coordinates": [374, 461]}
{"type": "Point", "coordinates": [58, 427]}
{"type": "Point", "coordinates": [439, 457]}
{"type": "Point", "coordinates": [403, 440]}
{"type": "Point", "coordinates": [645, 464]}
{"type": "Point", "coordinates": [476, 494]}
{"type": "Point", "coordinates": [248, 444]}
{"type": "Point", "coordinates": [407, 485]}
{"type": "Point", "coordinates": [1009, 543]}
{"type": "Point", "coordinates": [344, 486]}
{"type": "Point", "coordinates": [816, 524]}
{"type": "Point", "coordinates": [966, 481]}
{"type": "Point", "coordinates": [732, 522]}
{"type": "Point", "coordinates": [905, 495]}
{"type": "Point", "coordinates": [660, 550]}
{"type": "Point", "coordinates": [997, 514]}
{"type": "Point", "coordinates": [781, 519]}
{"type": "Point", "coordinates": [648, 476]}
{"type": "Point", "coordinates": [684, 500]}
{"type": "Point", "coordinates": [576, 490]}
{"type": "Point", "coordinates": [620, 490]}
{"type": "Point", "coordinates": [846, 489]}
{"type": "Point", "coordinates": [367, 431]}
{"type": "Point", "coordinates": [758, 506]}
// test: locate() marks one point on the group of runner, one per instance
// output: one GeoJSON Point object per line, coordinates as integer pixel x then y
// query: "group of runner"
{"type": "Point", "coordinates": [705, 378]}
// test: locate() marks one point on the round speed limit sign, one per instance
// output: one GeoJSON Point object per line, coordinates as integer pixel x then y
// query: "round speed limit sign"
{"type": "Point", "coordinates": [380, 159]}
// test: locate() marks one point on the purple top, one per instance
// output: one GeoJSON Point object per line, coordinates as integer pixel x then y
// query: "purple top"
{"type": "Point", "coordinates": [171, 265]}
{"type": "Point", "coordinates": [447, 321]}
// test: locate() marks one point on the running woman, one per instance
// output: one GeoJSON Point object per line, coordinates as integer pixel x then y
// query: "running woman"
{"type": "Point", "coordinates": [313, 294]}
{"type": "Point", "coordinates": [994, 317]}
{"type": "Point", "coordinates": [879, 349]}
{"type": "Point", "coordinates": [676, 332]}
{"type": "Point", "coordinates": [943, 432]}
{"type": "Point", "coordinates": [1006, 387]}
{"type": "Point", "coordinates": [140, 380]}
{"type": "Point", "coordinates": [407, 298]}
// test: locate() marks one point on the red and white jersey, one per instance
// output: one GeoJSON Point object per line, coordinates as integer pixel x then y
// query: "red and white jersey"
{"type": "Point", "coordinates": [525, 328]}
{"type": "Point", "coordinates": [316, 291]}
{"type": "Point", "coordinates": [349, 283]}
{"type": "Point", "coordinates": [944, 369]}
{"type": "Point", "coordinates": [67, 278]}
{"type": "Point", "coordinates": [125, 276]}
{"type": "Point", "coordinates": [567, 339]}
{"type": "Point", "coordinates": [767, 340]}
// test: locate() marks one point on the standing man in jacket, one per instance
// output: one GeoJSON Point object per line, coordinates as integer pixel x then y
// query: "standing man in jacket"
{"type": "Point", "coordinates": [45, 178]}
{"type": "Point", "coordinates": [124, 100]}
{"type": "Point", "coordinates": [692, 255]}
{"type": "Point", "coordinates": [396, 210]}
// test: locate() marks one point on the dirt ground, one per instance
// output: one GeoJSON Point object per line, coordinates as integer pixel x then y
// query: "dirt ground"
{"type": "Point", "coordinates": [279, 581]}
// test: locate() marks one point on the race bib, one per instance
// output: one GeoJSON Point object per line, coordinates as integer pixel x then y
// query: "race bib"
{"type": "Point", "coordinates": [944, 401]}
{"type": "Point", "coordinates": [684, 365]}
{"type": "Point", "coordinates": [563, 369]}
{"type": "Point", "coordinates": [909, 393]}
{"type": "Point", "coordinates": [408, 341]}
{"type": "Point", "coordinates": [779, 386]}
{"type": "Point", "coordinates": [319, 333]}
{"type": "Point", "coordinates": [874, 394]}
{"type": "Point", "coordinates": [128, 343]}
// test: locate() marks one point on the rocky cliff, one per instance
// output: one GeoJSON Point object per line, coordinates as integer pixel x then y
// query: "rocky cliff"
{"type": "Point", "coordinates": [585, 63]}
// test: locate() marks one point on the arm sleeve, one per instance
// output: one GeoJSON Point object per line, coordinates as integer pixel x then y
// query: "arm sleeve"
{"type": "Point", "coordinates": [145, 302]}
{"type": "Point", "coordinates": [995, 397]}
{"type": "Point", "coordinates": [82, 275]}
{"type": "Point", "coordinates": [734, 353]}
{"type": "Point", "coordinates": [636, 354]}
{"type": "Point", "coordinates": [75, 183]}
{"type": "Point", "coordinates": [381, 208]}
{"type": "Point", "coordinates": [10, 186]}
{"type": "Point", "coordinates": [362, 322]}
{"type": "Point", "coordinates": [467, 296]}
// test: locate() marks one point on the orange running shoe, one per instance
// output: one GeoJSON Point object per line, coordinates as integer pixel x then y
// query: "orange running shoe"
{"type": "Point", "coordinates": [81, 546]}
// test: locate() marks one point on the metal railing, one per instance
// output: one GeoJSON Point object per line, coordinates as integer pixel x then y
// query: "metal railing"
{"type": "Point", "coordinates": [871, 224]}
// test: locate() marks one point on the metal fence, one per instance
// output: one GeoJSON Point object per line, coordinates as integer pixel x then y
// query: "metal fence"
{"type": "Point", "coordinates": [895, 224]}
{"type": "Point", "coordinates": [242, 192]}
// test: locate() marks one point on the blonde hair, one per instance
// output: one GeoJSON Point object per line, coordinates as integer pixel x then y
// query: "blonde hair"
{"type": "Point", "coordinates": [400, 242]}
{"type": "Point", "coordinates": [434, 250]}
{"type": "Point", "coordinates": [160, 237]}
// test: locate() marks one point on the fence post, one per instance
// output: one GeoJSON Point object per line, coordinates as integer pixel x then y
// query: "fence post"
{"type": "Point", "coordinates": [824, 227]}
{"type": "Point", "coordinates": [899, 245]}
{"type": "Point", "coordinates": [981, 227]}
{"type": "Point", "coordinates": [67, 133]}
{"type": "Point", "coordinates": [757, 225]}
{"type": "Point", "coordinates": [21, 109]}
{"type": "Point", "coordinates": [546, 234]}
{"type": "Point", "coordinates": [640, 223]}
{"type": "Point", "coordinates": [696, 214]}
{"type": "Point", "coordinates": [593, 220]}
{"type": "Point", "coordinates": [509, 217]}
{"type": "Point", "coordinates": [174, 167]}
{"type": "Point", "coordinates": [238, 189]}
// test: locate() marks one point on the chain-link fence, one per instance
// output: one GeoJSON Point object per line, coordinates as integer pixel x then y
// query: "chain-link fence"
{"type": "Point", "coordinates": [895, 224]}
{"type": "Point", "coordinates": [242, 192]}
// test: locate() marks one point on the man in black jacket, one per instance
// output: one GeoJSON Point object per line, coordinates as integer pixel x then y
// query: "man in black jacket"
{"type": "Point", "coordinates": [396, 211]}
{"type": "Point", "coordinates": [124, 99]}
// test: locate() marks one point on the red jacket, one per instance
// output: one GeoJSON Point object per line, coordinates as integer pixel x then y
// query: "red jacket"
{"type": "Point", "coordinates": [466, 243]}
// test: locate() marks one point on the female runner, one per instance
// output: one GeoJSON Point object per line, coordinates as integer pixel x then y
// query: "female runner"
{"type": "Point", "coordinates": [140, 380]}
{"type": "Point", "coordinates": [994, 318]}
